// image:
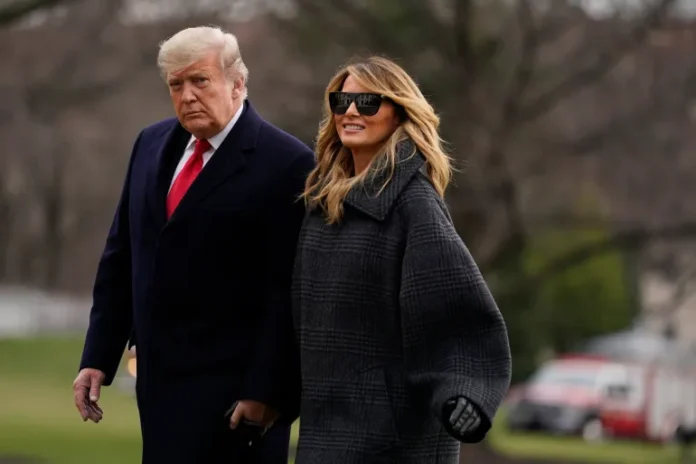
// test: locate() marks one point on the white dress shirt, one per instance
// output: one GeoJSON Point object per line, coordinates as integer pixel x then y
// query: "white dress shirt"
{"type": "Point", "coordinates": [215, 143]}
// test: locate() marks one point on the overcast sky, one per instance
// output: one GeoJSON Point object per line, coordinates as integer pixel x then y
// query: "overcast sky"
{"type": "Point", "coordinates": [152, 10]}
{"type": "Point", "coordinates": [605, 7]}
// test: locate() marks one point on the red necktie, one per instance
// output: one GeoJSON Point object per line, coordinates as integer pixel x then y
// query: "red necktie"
{"type": "Point", "coordinates": [187, 175]}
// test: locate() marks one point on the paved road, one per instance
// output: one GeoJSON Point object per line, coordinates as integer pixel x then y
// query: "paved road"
{"type": "Point", "coordinates": [483, 454]}
{"type": "Point", "coordinates": [26, 312]}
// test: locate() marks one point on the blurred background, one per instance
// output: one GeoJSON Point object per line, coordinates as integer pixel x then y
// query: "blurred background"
{"type": "Point", "coordinates": [572, 125]}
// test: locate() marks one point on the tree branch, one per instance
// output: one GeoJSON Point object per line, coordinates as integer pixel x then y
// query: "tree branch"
{"type": "Point", "coordinates": [506, 189]}
{"type": "Point", "coordinates": [20, 8]}
{"type": "Point", "coordinates": [45, 98]}
{"type": "Point", "coordinates": [602, 65]}
{"type": "Point", "coordinates": [525, 67]}
{"type": "Point", "coordinates": [621, 241]}
{"type": "Point", "coordinates": [463, 43]}
{"type": "Point", "coordinates": [623, 125]}
{"type": "Point", "coordinates": [342, 16]}
{"type": "Point", "coordinates": [683, 289]}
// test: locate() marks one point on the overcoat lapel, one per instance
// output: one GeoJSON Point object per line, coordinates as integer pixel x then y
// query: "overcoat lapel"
{"type": "Point", "coordinates": [228, 160]}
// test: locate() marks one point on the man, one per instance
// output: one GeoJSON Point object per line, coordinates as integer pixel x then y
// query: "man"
{"type": "Point", "coordinates": [198, 262]}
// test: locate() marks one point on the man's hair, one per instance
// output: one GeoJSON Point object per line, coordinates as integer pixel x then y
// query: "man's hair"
{"type": "Point", "coordinates": [195, 43]}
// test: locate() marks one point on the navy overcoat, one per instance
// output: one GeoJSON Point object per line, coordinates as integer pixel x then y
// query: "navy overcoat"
{"type": "Point", "coordinates": [206, 292]}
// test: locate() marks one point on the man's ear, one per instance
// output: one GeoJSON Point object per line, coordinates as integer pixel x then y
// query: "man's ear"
{"type": "Point", "coordinates": [237, 87]}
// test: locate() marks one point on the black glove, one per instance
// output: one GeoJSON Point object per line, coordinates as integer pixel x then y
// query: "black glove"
{"type": "Point", "coordinates": [462, 416]}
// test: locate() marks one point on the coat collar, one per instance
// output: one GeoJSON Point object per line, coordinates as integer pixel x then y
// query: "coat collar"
{"type": "Point", "coordinates": [229, 159]}
{"type": "Point", "coordinates": [369, 200]}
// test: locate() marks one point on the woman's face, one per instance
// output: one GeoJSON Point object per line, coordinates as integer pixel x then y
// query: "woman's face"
{"type": "Point", "coordinates": [364, 133]}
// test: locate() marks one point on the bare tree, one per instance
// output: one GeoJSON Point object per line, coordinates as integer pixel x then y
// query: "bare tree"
{"type": "Point", "coordinates": [79, 86]}
{"type": "Point", "coordinates": [48, 90]}
{"type": "Point", "coordinates": [499, 77]}
{"type": "Point", "coordinates": [15, 10]}
{"type": "Point", "coordinates": [543, 105]}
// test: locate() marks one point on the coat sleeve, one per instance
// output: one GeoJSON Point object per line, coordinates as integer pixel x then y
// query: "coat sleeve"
{"type": "Point", "coordinates": [274, 375]}
{"type": "Point", "coordinates": [131, 339]}
{"type": "Point", "coordinates": [454, 337]}
{"type": "Point", "coordinates": [111, 315]}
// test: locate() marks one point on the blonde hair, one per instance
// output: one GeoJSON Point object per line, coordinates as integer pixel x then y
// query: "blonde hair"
{"type": "Point", "coordinates": [331, 180]}
{"type": "Point", "coordinates": [195, 43]}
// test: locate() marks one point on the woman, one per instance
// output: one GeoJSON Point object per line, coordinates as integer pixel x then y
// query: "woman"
{"type": "Point", "coordinates": [404, 352]}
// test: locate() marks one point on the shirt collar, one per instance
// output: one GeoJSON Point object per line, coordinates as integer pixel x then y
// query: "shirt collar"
{"type": "Point", "coordinates": [216, 140]}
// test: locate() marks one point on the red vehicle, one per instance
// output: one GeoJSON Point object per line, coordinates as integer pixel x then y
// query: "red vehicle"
{"type": "Point", "coordinates": [563, 397]}
{"type": "Point", "coordinates": [629, 385]}
{"type": "Point", "coordinates": [649, 401]}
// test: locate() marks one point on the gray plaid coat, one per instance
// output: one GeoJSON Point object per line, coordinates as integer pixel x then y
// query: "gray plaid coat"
{"type": "Point", "coordinates": [393, 318]}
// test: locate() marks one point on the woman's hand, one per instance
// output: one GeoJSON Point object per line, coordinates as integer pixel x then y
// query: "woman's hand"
{"type": "Point", "coordinates": [464, 418]}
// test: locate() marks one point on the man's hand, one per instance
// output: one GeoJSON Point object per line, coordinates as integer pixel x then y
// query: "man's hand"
{"type": "Point", "coordinates": [253, 411]}
{"type": "Point", "coordinates": [86, 389]}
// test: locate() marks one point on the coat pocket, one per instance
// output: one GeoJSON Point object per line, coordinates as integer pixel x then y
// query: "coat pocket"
{"type": "Point", "coordinates": [366, 416]}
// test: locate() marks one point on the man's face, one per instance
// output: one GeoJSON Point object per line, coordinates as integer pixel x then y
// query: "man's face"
{"type": "Point", "coordinates": [204, 100]}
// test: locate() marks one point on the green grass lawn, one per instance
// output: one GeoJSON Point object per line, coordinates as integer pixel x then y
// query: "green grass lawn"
{"type": "Point", "coordinates": [549, 447]}
{"type": "Point", "coordinates": [38, 417]}
{"type": "Point", "coordinates": [541, 446]}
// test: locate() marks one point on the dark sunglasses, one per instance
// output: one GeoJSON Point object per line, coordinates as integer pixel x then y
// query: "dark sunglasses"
{"type": "Point", "coordinates": [367, 104]}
